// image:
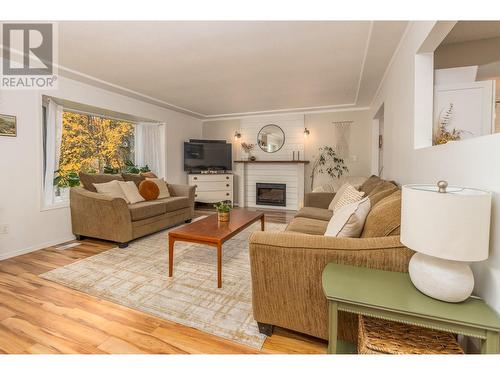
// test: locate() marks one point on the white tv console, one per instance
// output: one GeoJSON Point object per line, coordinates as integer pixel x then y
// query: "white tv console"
{"type": "Point", "coordinates": [212, 188]}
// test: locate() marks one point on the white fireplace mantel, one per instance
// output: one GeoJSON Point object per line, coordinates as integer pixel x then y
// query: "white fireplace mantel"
{"type": "Point", "coordinates": [287, 172]}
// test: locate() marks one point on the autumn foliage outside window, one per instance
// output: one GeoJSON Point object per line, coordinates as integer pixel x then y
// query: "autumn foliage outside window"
{"type": "Point", "coordinates": [92, 143]}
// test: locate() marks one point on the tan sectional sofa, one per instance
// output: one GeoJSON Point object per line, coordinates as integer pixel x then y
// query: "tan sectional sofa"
{"type": "Point", "coordinates": [99, 216]}
{"type": "Point", "coordinates": [286, 266]}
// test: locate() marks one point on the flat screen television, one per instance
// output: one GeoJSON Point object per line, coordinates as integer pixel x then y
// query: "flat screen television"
{"type": "Point", "coordinates": [202, 156]}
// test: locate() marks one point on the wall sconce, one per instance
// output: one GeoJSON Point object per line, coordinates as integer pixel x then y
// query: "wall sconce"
{"type": "Point", "coordinates": [237, 135]}
{"type": "Point", "coordinates": [306, 132]}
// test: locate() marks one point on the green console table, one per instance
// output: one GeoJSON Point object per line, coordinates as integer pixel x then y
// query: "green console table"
{"type": "Point", "coordinates": [392, 296]}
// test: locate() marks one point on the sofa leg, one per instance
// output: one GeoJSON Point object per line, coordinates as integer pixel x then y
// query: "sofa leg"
{"type": "Point", "coordinates": [123, 245]}
{"type": "Point", "coordinates": [266, 329]}
{"type": "Point", "coordinates": [188, 221]}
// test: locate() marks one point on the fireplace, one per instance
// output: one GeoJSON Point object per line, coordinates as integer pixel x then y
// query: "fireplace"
{"type": "Point", "coordinates": [271, 194]}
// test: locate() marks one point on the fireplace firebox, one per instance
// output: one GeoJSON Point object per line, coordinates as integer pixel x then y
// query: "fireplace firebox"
{"type": "Point", "coordinates": [271, 194]}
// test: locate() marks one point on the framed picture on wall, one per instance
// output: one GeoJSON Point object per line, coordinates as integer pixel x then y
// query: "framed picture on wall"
{"type": "Point", "coordinates": [8, 126]}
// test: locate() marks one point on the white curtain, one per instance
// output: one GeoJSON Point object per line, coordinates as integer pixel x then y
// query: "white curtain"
{"type": "Point", "coordinates": [52, 148]}
{"type": "Point", "coordinates": [150, 146]}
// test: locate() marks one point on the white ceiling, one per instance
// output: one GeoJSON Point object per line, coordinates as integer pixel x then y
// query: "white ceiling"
{"type": "Point", "coordinates": [466, 31]}
{"type": "Point", "coordinates": [213, 69]}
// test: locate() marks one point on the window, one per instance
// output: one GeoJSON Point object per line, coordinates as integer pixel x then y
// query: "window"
{"type": "Point", "coordinates": [95, 144]}
{"type": "Point", "coordinates": [83, 143]}
{"type": "Point", "coordinates": [78, 138]}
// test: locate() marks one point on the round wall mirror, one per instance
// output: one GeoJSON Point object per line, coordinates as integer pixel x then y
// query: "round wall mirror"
{"type": "Point", "coordinates": [271, 138]}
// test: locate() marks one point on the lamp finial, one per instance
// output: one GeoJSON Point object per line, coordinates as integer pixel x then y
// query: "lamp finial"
{"type": "Point", "coordinates": [442, 185]}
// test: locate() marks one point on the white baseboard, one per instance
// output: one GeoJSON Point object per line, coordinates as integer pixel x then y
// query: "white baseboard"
{"type": "Point", "coordinates": [30, 249]}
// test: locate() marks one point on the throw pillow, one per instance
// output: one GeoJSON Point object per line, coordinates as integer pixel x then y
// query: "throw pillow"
{"type": "Point", "coordinates": [149, 190]}
{"type": "Point", "coordinates": [131, 191]}
{"type": "Point", "coordinates": [349, 220]}
{"type": "Point", "coordinates": [347, 194]}
{"type": "Point", "coordinates": [111, 189]}
{"type": "Point", "coordinates": [162, 186]}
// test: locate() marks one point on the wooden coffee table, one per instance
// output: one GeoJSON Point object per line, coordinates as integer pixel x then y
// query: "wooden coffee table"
{"type": "Point", "coordinates": [210, 231]}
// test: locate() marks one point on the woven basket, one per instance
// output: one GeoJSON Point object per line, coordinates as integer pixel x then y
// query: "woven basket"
{"type": "Point", "coordinates": [377, 336]}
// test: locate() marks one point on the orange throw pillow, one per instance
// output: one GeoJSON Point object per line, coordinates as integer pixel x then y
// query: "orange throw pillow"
{"type": "Point", "coordinates": [148, 174]}
{"type": "Point", "coordinates": [149, 190]}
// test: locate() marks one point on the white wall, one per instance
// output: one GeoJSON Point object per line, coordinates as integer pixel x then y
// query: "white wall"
{"type": "Point", "coordinates": [472, 163]}
{"type": "Point", "coordinates": [21, 160]}
{"type": "Point", "coordinates": [321, 134]}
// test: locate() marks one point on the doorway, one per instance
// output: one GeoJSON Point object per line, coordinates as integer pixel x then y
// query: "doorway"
{"type": "Point", "coordinates": [378, 143]}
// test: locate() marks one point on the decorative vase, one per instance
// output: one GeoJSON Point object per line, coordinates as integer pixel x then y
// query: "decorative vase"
{"type": "Point", "coordinates": [223, 216]}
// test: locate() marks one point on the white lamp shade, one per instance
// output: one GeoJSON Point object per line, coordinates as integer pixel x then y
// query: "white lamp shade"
{"type": "Point", "coordinates": [454, 225]}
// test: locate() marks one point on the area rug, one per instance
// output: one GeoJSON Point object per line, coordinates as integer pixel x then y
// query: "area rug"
{"type": "Point", "coordinates": [137, 277]}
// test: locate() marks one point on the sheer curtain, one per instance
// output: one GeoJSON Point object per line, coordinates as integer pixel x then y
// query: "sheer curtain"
{"type": "Point", "coordinates": [52, 149]}
{"type": "Point", "coordinates": [150, 146]}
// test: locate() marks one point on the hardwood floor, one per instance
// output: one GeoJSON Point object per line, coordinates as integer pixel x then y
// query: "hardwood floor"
{"type": "Point", "coordinates": [39, 316]}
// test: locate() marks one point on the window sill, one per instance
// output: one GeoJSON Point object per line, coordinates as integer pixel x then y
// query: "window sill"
{"type": "Point", "coordinates": [57, 205]}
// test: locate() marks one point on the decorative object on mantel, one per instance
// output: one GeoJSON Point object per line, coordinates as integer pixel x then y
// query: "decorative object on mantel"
{"type": "Point", "coordinates": [8, 126]}
{"type": "Point", "coordinates": [223, 210]}
{"type": "Point", "coordinates": [271, 138]}
{"type": "Point", "coordinates": [328, 162]}
{"type": "Point", "coordinates": [341, 132]}
{"type": "Point", "coordinates": [448, 227]}
{"type": "Point", "coordinates": [247, 149]}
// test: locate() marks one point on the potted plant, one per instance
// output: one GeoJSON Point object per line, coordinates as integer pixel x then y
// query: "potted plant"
{"type": "Point", "coordinates": [64, 181]}
{"type": "Point", "coordinates": [223, 209]}
{"type": "Point", "coordinates": [130, 167]}
{"type": "Point", "coordinates": [328, 162]}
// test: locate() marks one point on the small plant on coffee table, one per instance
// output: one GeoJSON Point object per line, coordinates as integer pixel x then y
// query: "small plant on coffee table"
{"type": "Point", "coordinates": [223, 209]}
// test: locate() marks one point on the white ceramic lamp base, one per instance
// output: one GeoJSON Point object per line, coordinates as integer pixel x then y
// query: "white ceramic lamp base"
{"type": "Point", "coordinates": [446, 280]}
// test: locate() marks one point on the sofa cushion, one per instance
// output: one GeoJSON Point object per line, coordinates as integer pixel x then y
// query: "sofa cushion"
{"type": "Point", "coordinates": [148, 174]}
{"type": "Point", "coordinates": [307, 226]}
{"type": "Point", "coordinates": [348, 221]}
{"type": "Point", "coordinates": [147, 209]}
{"type": "Point", "coordinates": [88, 179]}
{"type": "Point", "coordinates": [370, 184]}
{"type": "Point", "coordinates": [384, 218]}
{"type": "Point", "coordinates": [135, 178]}
{"type": "Point", "coordinates": [382, 190]}
{"type": "Point", "coordinates": [175, 203]}
{"type": "Point", "coordinates": [315, 213]}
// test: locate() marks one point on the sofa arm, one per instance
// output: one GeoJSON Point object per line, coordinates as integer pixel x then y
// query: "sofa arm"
{"type": "Point", "coordinates": [319, 199]}
{"type": "Point", "coordinates": [286, 270]}
{"type": "Point", "coordinates": [100, 216]}
{"type": "Point", "coordinates": [177, 190]}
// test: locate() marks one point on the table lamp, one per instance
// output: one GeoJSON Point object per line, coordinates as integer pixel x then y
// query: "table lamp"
{"type": "Point", "coordinates": [447, 227]}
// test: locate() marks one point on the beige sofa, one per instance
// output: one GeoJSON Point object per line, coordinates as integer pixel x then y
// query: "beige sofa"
{"type": "Point", "coordinates": [99, 216]}
{"type": "Point", "coordinates": [286, 266]}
